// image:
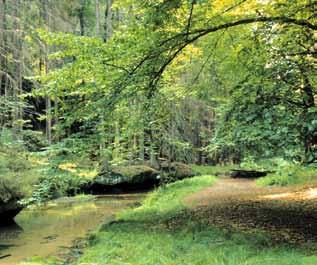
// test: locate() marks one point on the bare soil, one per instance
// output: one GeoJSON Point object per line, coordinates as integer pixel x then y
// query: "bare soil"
{"type": "Point", "coordinates": [287, 214]}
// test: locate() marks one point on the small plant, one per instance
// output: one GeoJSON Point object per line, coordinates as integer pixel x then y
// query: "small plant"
{"type": "Point", "coordinates": [289, 174]}
{"type": "Point", "coordinates": [55, 184]}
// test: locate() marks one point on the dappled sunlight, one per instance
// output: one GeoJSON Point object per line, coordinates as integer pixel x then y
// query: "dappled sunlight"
{"type": "Point", "coordinates": [307, 194]}
{"type": "Point", "coordinates": [90, 174]}
{"type": "Point", "coordinates": [74, 169]}
{"type": "Point", "coordinates": [71, 167]}
{"type": "Point", "coordinates": [39, 161]}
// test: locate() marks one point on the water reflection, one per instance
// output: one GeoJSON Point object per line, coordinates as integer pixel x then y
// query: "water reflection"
{"type": "Point", "coordinates": [44, 231]}
{"type": "Point", "coordinates": [11, 231]}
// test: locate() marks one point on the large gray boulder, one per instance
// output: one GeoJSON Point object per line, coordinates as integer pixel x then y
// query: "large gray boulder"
{"type": "Point", "coordinates": [9, 206]}
{"type": "Point", "coordinates": [125, 178]}
{"type": "Point", "coordinates": [177, 171]}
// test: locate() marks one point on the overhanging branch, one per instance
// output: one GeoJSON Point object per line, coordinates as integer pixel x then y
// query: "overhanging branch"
{"type": "Point", "coordinates": [189, 37]}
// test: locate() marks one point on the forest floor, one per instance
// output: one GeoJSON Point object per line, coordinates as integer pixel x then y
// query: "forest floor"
{"type": "Point", "coordinates": [287, 214]}
{"type": "Point", "coordinates": [202, 221]}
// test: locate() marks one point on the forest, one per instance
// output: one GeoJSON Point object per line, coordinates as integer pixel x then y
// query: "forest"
{"type": "Point", "coordinates": [158, 132]}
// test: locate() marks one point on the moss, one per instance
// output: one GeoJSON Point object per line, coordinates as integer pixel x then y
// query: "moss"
{"type": "Point", "coordinates": [130, 172]}
{"type": "Point", "coordinates": [125, 177]}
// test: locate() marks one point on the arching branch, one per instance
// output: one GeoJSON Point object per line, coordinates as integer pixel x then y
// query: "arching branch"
{"type": "Point", "coordinates": [188, 37]}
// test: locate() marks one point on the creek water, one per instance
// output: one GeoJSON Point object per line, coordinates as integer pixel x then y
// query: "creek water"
{"type": "Point", "coordinates": [51, 230]}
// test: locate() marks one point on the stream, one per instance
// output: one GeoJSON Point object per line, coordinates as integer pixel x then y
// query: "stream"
{"type": "Point", "coordinates": [52, 230]}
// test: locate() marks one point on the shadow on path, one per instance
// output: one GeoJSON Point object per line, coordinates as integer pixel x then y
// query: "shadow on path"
{"type": "Point", "coordinates": [287, 214]}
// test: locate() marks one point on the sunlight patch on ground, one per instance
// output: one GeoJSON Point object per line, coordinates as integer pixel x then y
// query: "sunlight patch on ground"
{"type": "Point", "coordinates": [71, 167]}
{"type": "Point", "coordinates": [308, 194]}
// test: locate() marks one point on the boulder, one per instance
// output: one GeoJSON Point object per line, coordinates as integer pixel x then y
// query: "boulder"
{"type": "Point", "coordinates": [123, 178]}
{"type": "Point", "coordinates": [177, 171]}
{"type": "Point", "coordinates": [240, 173]}
{"type": "Point", "coordinates": [9, 206]}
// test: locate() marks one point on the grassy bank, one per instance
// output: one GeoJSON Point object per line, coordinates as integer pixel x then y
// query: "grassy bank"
{"type": "Point", "coordinates": [160, 232]}
{"type": "Point", "coordinates": [290, 174]}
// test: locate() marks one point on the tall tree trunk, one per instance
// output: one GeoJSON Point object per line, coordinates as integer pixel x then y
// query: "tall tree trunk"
{"type": "Point", "coordinates": [108, 20]}
{"type": "Point", "coordinates": [2, 54]}
{"type": "Point", "coordinates": [141, 145]}
{"type": "Point", "coordinates": [44, 68]}
{"type": "Point", "coordinates": [116, 149]}
{"type": "Point", "coordinates": [3, 64]}
{"type": "Point", "coordinates": [2, 47]}
{"type": "Point", "coordinates": [97, 18]}
{"type": "Point", "coordinates": [308, 100]}
{"type": "Point", "coordinates": [81, 17]}
{"type": "Point", "coordinates": [17, 88]}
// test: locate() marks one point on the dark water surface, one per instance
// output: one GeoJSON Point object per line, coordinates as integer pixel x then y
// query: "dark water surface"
{"type": "Point", "coordinates": [52, 229]}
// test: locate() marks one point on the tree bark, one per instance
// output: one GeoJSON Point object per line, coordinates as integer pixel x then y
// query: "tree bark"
{"type": "Point", "coordinates": [97, 18]}
{"type": "Point", "coordinates": [44, 68]}
{"type": "Point", "coordinates": [141, 145]}
{"type": "Point", "coordinates": [81, 18]}
{"type": "Point", "coordinates": [3, 66]}
{"type": "Point", "coordinates": [108, 20]}
{"type": "Point", "coordinates": [17, 88]}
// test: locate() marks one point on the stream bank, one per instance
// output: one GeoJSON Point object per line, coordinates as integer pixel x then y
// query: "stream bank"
{"type": "Point", "coordinates": [167, 229]}
{"type": "Point", "coordinates": [52, 230]}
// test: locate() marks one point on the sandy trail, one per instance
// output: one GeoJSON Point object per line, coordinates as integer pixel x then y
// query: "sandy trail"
{"type": "Point", "coordinates": [287, 214]}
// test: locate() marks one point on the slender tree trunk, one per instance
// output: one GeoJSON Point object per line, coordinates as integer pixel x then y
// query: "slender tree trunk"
{"type": "Point", "coordinates": [17, 87]}
{"type": "Point", "coordinates": [81, 17]}
{"type": "Point", "coordinates": [308, 102]}
{"type": "Point", "coordinates": [2, 53]}
{"type": "Point", "coordinates": [5, 50]}
{"type": "Point", "coordinates": [44, 68]}
{"type": "Point", "coordinates": [141, 145]}
{"type": "Point", "coordinates": [97, 18]}
{"type": "Point", "coordinates": [108, 20]}
{"type": "Point", "coordinates": [2, 56]}
{"type": "Point", "coordinates": [116, 151]}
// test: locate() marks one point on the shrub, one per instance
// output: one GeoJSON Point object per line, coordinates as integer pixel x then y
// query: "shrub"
{"type": "Point", "coordinates": [55, 183]}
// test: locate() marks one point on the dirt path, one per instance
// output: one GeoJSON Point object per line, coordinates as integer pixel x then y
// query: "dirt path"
{"type": "Point", "coordinates": [288, 214]}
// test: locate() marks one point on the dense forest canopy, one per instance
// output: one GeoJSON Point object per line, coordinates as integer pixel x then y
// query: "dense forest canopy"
{"type": "Point", "coordinates": [194, 81]}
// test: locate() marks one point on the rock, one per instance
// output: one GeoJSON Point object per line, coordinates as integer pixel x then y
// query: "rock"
{"type": "Point", "coordinates": [177, 171]}
{"type": "Point", "coordinates": [116, 179]}
{"type": "Point", "coordinates": [239, 173]}
{"type": "Point", "coordinates": [9, 206]}
{"type": "Point", "coordinates": [125, 178]}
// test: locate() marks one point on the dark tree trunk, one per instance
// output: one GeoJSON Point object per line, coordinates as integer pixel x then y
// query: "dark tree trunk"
{"type": "Point", "coordinates": [308, 102]}
{"type": "Point", "coordinates": [108, 20]}
{"type": "Point", "coordinates": [81, 17]}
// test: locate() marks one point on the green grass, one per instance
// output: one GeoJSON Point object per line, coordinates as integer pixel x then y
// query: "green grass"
{"type": "Point", "coordinates": [167, 200]}
{"type": "Point", "coordinates": [158, 232]}
{"type": "Point", "coordinates": [40, 261]}
{"type": "Point", "coordinates": [290, 175]}
{"type": "Point", "coordinates": [138, 244]}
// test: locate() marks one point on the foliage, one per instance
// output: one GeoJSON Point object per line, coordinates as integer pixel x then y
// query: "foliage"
{"type": "Point", "coordinates": [55, 184]}
{"type": "Point", "coordinates": [16, 168]}
{"type": "Point", "coordinates": [33, 141]}
{"type": "Point", "coordinates": [290, 175]}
